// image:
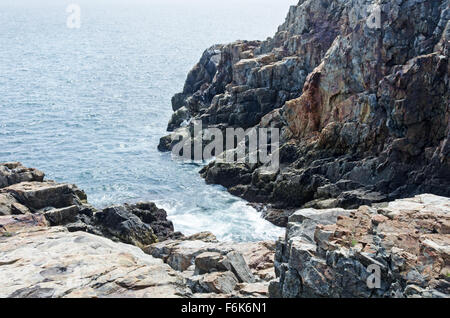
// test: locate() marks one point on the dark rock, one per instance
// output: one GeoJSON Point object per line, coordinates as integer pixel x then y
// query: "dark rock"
{"type": "Point", "coordinates": [178, 117]}
{"type": "Point", "coordinates": [278, 217]}
{"type": "Point", "coordinates": [150, 214]}
{"type": "Point", "coordinates": [356, 198]}
{"type": "Point", "coordinates": [274, 289]}
{"type": "Point", "coordinates": [9, 205]}
{"type": "Point", "coordinates": [13, 172]}
{"type": "Point", "coordinates": [62, 216]}
{"type": "Point", "coordinates": [226, 174]}
{"type": "Point", "coordinates": [120, 224]}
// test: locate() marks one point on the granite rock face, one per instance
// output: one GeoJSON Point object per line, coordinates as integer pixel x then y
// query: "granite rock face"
{"type": "Point", "coordinates": [66, 248]}
{"type": "Point", "coordinates": [49, 262]}
{"type": "Point", "coordinates": [363, 109]}
{"type": "Point", "coordinates": [25, 191]}
{"type": "Point", "coordinates": [405, 242]}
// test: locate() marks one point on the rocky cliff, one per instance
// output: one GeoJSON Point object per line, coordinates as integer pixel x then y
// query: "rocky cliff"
{"type": "Point", "coordinates": [363, 108]}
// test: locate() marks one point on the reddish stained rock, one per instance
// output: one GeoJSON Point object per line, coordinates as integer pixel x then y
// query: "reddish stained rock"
{"type": "Point", "coordinates": [13, 223]}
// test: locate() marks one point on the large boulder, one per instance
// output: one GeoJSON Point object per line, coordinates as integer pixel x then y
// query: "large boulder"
{"type": "Point", "coordinates": [39, 195]}
{"type": "Point", "coordinates": [119, 224]}
{"type": "Point", "coordinates": [209, 262]}
{"type": "Point", "coordinates": [155, 217]}
{"type": "Point", "coordinates": [219, 282]}
{"type": "Point", "coordinates": [62, 216]}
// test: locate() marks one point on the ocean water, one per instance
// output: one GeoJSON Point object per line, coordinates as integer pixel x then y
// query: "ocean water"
{"type": "Point", "coordinates": [88, 105]}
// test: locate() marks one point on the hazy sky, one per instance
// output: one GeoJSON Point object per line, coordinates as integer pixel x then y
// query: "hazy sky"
{"type": "Point", "coordinates": [248, 12]}
{"type": "Point", "coordinates": [283, 3]}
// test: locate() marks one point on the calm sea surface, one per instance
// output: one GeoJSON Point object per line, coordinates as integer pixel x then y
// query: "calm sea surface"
{"type": "Point", "coordinates": [88, 105]}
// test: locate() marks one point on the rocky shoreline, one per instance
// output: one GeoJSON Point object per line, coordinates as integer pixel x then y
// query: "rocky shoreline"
{"type": "Point", "coordinates": [363, 188]}
{"type": "Point", "coordinates": [363, 111]}
{"type": "Point", "coordinates": [54, 244]}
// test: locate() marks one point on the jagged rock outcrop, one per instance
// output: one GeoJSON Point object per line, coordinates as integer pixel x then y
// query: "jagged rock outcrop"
{"type": "Point", "coordinates": [328, 253]}
{"type": "Point", "coordinates": [13, 172]}
{"type": "Point", "coordinates": [25, 191]}
{"type": "Point", "coordinates": [363, 109]}
{"type": "Point", "coordinates": [54, 244]}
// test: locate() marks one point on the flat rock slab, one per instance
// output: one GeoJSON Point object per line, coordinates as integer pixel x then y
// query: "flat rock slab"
{"type": "Point", "coordinates": [39, 195]}
{"type": "Point", "coordinates": [304, 222]}
{"type": "Point", "coordinates": [51, 262]}
{"type": "Point", "coordinates": [219, 282]}
{"type": "Point", "coordinates": [11, 224]}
